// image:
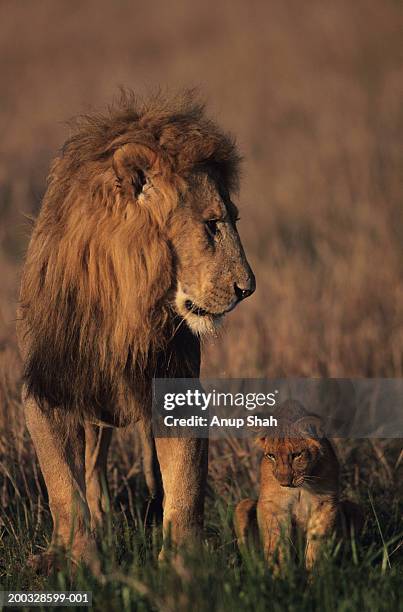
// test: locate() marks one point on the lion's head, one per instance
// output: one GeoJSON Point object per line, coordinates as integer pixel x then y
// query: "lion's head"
{"type": "Point", "coordinates": [136, 235]}
{"type": "Point", "coordinates": [187, 178]}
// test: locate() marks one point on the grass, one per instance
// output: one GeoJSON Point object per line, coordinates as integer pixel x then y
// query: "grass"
{"type": "Point", "coordinates": [355, 573]}
{"type": "Point", "coordinates": [313, 92]}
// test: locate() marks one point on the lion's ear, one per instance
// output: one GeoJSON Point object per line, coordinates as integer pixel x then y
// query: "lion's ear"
{"type": "Point", "coordinates": [132, 165]}
{"type": "Point", "coordinates": [310, 426]}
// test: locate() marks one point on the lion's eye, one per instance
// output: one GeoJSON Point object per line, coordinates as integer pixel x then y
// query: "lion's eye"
{"type": "Point", "coordinates": [296, 455]}
{"type": "Point", "coordinates": [270, 456]}
{"type": "Point", "coordinates": [212, 227]}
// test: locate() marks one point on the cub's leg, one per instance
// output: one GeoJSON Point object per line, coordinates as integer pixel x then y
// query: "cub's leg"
{"type": "Point", "coordinates": [61, 456]}
{"type": "Point", "coordinates": [275, 529]}
{"type": "Point", "coordinates": [321, 523]}
{"type": "Point", "coordinates": [245, 521]}
{"type": "Point", "coordinates": [97, 441]}
{"type": "Point", "coordinates": [183, 463]}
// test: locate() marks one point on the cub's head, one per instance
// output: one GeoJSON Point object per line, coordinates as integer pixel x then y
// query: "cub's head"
{"type": "Point", "coordinates": [294, 456]}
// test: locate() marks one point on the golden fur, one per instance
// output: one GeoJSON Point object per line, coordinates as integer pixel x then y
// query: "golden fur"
{"type": "Point", "coordinates": [299, 487]}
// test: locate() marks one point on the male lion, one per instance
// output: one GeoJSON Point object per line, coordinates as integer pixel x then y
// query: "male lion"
{"type": "Point", "coordinates": [134, 255]}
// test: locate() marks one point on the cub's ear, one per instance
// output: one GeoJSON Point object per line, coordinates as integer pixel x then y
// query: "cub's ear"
{"type": "Point", "coordinates": [133, 163]}
{"type": "Point", "coordinates": [310, 426]}
{"type": "Point", "coordinates": [260, 441]}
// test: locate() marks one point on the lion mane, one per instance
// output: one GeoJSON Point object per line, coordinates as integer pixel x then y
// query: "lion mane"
{"type": "Point", "coordinates": [95, 316]}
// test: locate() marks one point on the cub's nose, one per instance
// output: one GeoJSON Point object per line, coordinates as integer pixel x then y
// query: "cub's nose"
{"type": "Point", "coordinates": [246, 290]}
{"type": "Point", "coordinates": [285, 482]}
{"type": "Point", "coordinates": [284, 479]}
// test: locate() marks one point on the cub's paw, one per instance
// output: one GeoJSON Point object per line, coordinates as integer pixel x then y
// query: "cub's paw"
{"type": "Point", "coordinates": [44, 563]}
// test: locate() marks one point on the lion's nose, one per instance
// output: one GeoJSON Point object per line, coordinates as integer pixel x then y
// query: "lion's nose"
{"type": "Point", "coordinates": [246, 290]}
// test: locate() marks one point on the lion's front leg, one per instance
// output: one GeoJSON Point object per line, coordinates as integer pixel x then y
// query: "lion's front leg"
{"type": "Point", "coordinates": [183, 463]}
{"type": "Point", "coordinates": [97, 441]}
{"type": "Point", "coordinates": [60, 449]}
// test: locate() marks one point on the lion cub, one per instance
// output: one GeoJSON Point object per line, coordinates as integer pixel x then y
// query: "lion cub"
{"type": "Point", "coordinates": [299, 486]}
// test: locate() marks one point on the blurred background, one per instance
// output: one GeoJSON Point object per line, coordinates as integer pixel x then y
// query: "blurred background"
{"type": "Point", "coordinates": [313, 92]}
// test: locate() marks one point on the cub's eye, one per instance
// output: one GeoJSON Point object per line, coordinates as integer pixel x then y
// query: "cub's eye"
{"type": "Point", "coordinates": [212, 227]}
{"type": "Point", "coordinates": [296, 455]}
{"type": "Point", "coordinates": [270, 456]}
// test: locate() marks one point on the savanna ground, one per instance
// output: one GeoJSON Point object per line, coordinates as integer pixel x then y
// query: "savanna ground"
{"type": "Point", "coordinates": [314, 93]}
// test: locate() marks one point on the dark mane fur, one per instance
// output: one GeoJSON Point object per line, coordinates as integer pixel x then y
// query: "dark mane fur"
{"type": "Point", "coordinates": [177, 125]}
